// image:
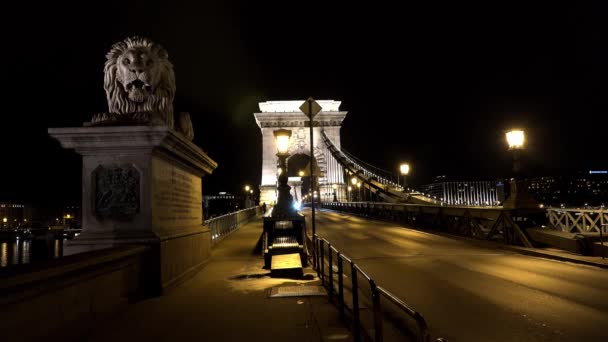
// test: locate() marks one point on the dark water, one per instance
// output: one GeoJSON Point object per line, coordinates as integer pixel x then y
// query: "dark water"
{"type": "Point", "coordinates": [29, 251]}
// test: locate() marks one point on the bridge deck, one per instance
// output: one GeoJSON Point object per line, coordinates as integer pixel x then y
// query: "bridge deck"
{"type": "Point", "coordinates": [227, 301]}
{"type": "Point", "coordinates": [475, 291]}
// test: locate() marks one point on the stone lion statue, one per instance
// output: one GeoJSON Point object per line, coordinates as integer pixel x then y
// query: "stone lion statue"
{"type": "Point", "coordinates": [139, 84]}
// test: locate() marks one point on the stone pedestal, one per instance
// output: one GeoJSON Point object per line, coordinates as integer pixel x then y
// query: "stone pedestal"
{"type": "Point", "coordinates": [142, 185]}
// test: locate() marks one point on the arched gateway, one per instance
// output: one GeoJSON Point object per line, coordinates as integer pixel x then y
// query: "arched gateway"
{"type": "Point", "coordinates": [287, 115]}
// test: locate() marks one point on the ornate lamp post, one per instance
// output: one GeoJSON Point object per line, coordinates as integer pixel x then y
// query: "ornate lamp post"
{"type": "Point", "coordinates": [404, 169]}
{"type": "Point", "coordinates": [247, 191]}
{"type": "Point", "coordinates": [284, 206]}
{"type": "Point", "coordinates": [520, 197]}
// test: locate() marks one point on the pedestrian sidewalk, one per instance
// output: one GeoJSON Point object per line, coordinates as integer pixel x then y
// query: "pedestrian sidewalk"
{"type": "Point", "coordinates": [227, 301]}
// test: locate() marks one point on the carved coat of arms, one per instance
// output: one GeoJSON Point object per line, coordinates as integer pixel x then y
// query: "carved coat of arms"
{"type": "Point", "coordinates": [116, 192]}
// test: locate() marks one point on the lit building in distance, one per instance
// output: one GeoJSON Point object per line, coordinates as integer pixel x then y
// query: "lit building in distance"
{"type": "Point", "coordinates": [477, 193]}
{"type": "Point", "coordinates": [14, 215]}
{"type": "Point", "coordinates": [585, 188]}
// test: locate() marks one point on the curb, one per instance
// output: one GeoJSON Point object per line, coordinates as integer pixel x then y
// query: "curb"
{"type": "Point", "coordinates": [536, 253]}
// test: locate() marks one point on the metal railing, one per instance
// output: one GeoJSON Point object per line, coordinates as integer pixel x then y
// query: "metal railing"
{"type": "Point", "coordinates": [490, 223]}
{"type": "Point", "coordinates": [577, 220]}
{"type": "Point", "coordinates": [325, 254]}
{"type": "Point", "coordinates": [224, 225]}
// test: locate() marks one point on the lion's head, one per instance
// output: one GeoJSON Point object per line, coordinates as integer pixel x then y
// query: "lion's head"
{"type": "Point", "coordinates": [139, 79]}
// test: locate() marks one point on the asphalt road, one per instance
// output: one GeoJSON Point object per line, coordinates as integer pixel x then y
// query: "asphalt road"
{"type": "Point", "coordinates": [469, 291]}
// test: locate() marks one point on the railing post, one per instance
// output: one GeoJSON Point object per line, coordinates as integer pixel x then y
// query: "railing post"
{"type": "Point", "coordinates": [322, 252]}
{"type": "Point", "coordinates": [355, 291]}
{"type": "Point", "coordinates": [340, 286]}
{"type": "Point", "coordinates": [314, 253]}
{"type": "Point", "coordinates": [425, 336]}
{"type": "Point", "coordinates": [330, 272]}
{"type": "Point", "coordinates": [318, 255]}
{"type": "Point", "coordinates": [377, 311]}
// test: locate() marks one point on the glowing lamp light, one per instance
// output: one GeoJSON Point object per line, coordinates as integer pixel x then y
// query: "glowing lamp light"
{"type": "Point", "coordinates": [515, 139]}
{"type": "Point", "coordinates": [353, 180]}
{"type": "Point", "coordinates": [4, 220]}
{"type": "Point", "coordinates": [297, 205]}
{"type": "Point", "coordinates": [358, 185]}
{"type": "Point", "coordinates": [404, 168]}
{"type": "Point", "coordinates": [301, 173]}
{"type": "Point", "coordinates": [250, 191]}
{"type": "Point", "coordinates": [282, 137]}
{"type": "Point", "coordinates": [350, 188]}
{"type": "Point", "coordinates": [334, 186]}
{"type": "Point", "coordinates": [247, 187]}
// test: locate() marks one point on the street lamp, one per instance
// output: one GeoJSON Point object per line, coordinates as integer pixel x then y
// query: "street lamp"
{"type": "Point", "coordinates": [519, 197]}
{"type": "Point", "coordinates": [301, 173]}
{"type": "Point", "coordinates": [516, 139]}
{"type": "Point", "coordinates": [359, 187]}
{"type": "Point", "coordinates": [350, 198]}
{"type": "Point", "coordinates": [247, 198]}
{"type": "Point", "coordinates": [334, 186]}
{"type": "Point", "coordinates": [284, 206]}
{"type": "Point", "coordinates": [404, 169]}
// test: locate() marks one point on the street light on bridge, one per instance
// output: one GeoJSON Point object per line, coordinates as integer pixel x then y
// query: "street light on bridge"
{"type": "Point", "coordinates": [519, 197]}
{"type": "Point", "coordinates": [404, 169]}
{"type": "Point", "coordinates": [350, 198]}
{"type": "Point", "coordinates": [334, 187]}
{"type": "Point", "coordinates": [284, 206]}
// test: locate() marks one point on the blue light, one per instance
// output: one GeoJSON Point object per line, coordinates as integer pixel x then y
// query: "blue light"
{"type": "Point", "coordinates": [598, 172]}
{"type": "Point", "coordinates": [297, 205]}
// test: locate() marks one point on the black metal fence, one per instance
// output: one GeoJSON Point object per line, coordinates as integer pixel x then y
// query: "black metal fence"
{"type": "Point", "coordinates": [329, 263]}
{"type": "Point", "coordinates": [224, 225]}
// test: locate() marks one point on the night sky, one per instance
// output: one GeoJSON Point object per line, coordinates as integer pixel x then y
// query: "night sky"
{"type": "Point", "coordinates": [437, 85]}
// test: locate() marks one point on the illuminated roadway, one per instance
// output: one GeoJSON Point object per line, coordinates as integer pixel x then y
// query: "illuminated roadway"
{"type": "Point", "coordinates": [470, 291]}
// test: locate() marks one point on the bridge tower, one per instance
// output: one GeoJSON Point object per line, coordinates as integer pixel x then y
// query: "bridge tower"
{"type": "Point", "coordinates": [275, 115]}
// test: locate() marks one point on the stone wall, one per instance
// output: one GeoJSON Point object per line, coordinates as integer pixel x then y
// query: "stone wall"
{"type": "Point", "coordinates": [64, 297]}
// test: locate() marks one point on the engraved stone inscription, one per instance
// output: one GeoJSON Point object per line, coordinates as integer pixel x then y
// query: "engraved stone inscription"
{"type": "Point", "coordinates": [116, 192]}
{"type": "Point", "coordinates": [177, 197]}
